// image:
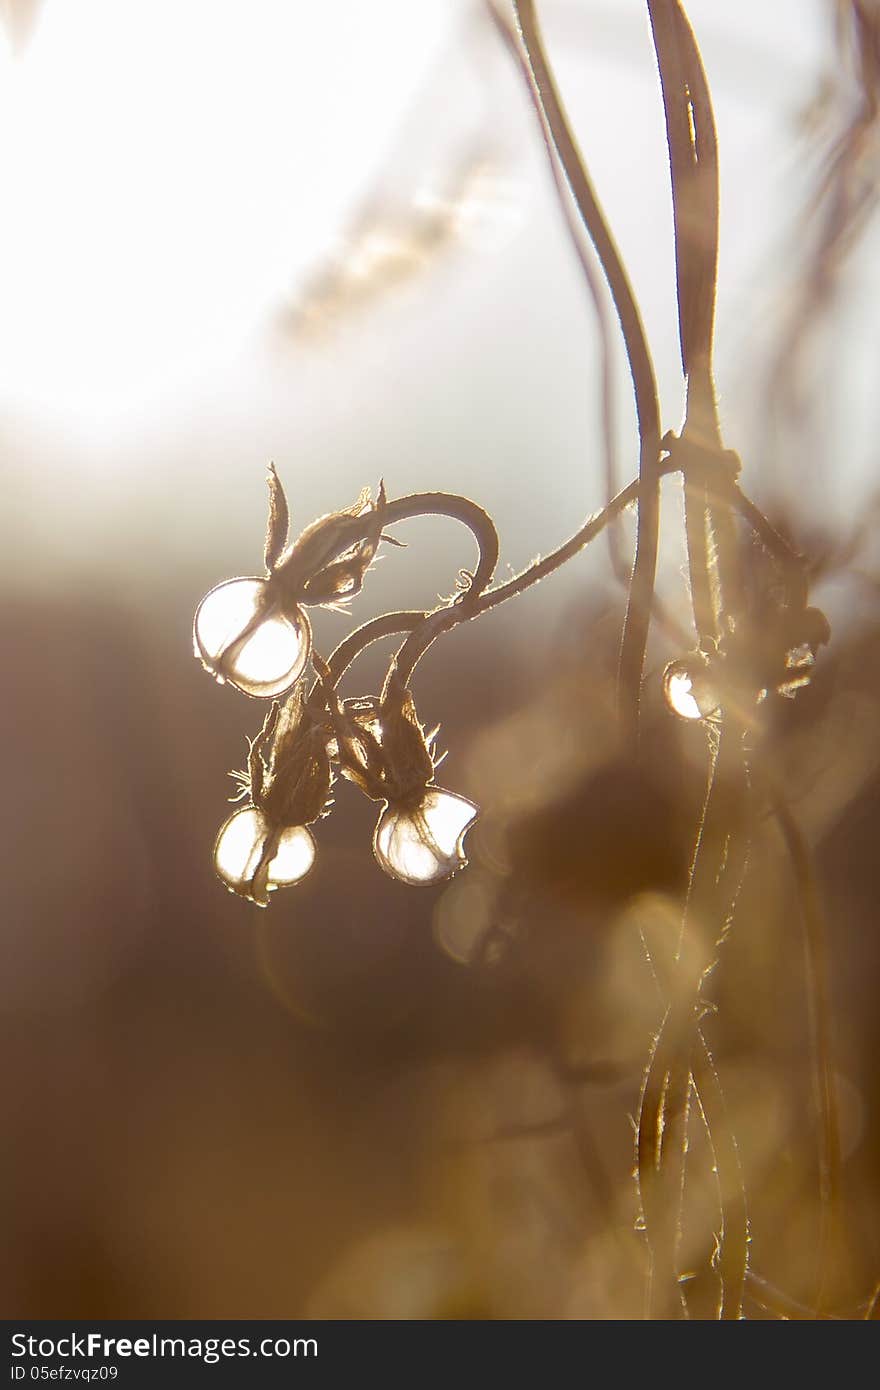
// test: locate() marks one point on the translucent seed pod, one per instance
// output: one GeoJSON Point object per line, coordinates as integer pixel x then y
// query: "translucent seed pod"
{"type": "Point", "coordinates": [239, 849]}
{"type": "Point", "coordinates": [424, 845]}
{"type": "Point", "coordinates": [689, 689]}
{"type": "Point", "coordinates": [243, 638]}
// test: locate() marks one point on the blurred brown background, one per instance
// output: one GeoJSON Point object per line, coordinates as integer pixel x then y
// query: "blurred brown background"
{"type": "Point", "coordinates": [235, 234]}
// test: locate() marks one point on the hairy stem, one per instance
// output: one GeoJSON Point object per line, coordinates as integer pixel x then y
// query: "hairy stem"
{"type": "Point", "coordinates": [457, 508]}
{"type": "Point", "coordinates": [471, 606]}
{"type": "Point", "coordinates": [471, 603]}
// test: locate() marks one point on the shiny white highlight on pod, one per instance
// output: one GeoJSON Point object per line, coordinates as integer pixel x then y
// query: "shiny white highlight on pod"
{"type": "Point", "coordinates": [424, 845]}
{"type": "Point", "coordinates": [239, 847]}
{"type": "Point", "coordinates": [261, 656]}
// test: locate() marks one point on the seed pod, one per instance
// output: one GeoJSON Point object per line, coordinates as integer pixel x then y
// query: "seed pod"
{"type": "Point", "coordinates": [243, 634]}
{"type": "Point", "coordinates": [253, 859]}
{"type": "Point", "coordinates": [424, 844]}
{"type": "Point", "coordinates": [689, 688]}
{"type": "Point", "coordinates": [327, 564]}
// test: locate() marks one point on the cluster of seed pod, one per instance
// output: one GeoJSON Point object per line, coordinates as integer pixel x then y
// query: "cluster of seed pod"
{"type": "Point", "coordinates": [254, 633]}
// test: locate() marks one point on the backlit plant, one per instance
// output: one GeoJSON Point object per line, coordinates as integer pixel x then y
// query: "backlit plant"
{"type": "Point", "coordinates": [754, 645]}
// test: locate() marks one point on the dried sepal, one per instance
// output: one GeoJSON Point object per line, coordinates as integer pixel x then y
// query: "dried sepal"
{"type": "Point", "coordinates": [253, 632]}
{"type": "Point", "coordinates": [358, 744]}
{"type": "Point", "coordinates": [328, 562]}
{"type": "Point", "coordinates": [298, 774]}
{"type": "Point", "coordinates": [381, 746]}
{"type": "Point", "coordinates": [257, 765]}
{"type": "Point", "coordinates": [278, 524]}
{"type": "Point", "coordinates": [409, 765]}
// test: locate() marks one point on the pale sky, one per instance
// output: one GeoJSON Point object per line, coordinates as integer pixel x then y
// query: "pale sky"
{"type": "Point", "coordinates": [175, 170]}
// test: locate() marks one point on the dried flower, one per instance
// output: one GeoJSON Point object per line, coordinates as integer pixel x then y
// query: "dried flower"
{"type": "Point", "coordinates": [267, 844]}
{"type": "Point", "coordinates": [328, 562]}
{"type": "Point", "coordinates": [253, 632]}
{"type": "Point", "coordinates": [383, 748]}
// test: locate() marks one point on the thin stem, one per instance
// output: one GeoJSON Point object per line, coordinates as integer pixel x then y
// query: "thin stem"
{"type": "Point", "coordinates": [695, 220]}
{"type": "Point", "coordinates": [574, 227]}
{"type": "Point", "coordinates": [773, 1300]}
{"type": "Point", "coordinates": [819, 995]}
{"type": "Point", "coordinates": [469, 605]}
{"type": "Point", "coordinates": [679, 1055]}
{"type": "Point", "coordinates": [638, 615]}
{"type": "Point", "coordinates": [458, 508]}
{"type": "Point", "coordinates": [447, 504]}
{"type": "Point", "coordinates": [792, 561]}
{"type": "Point", "coordinates": [466, 607]}
{"type": "Point", "coordinates": [733, 1257]}
{"type": "Point", "coordinates": [388, 625]}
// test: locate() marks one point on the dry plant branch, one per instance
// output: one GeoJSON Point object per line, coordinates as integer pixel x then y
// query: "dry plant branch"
{"type": "Point", "coordinates": [751, 648]}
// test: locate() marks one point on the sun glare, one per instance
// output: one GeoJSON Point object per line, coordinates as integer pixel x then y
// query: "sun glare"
{"type": "Point", "coordinates": [167, 169]}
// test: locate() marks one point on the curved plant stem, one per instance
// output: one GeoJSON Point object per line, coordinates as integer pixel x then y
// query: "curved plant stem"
{"type": "Point", "coordinates": [447, 504]}
{"type": "Point", "coordinates": [638, 615]}
{"type": "Point", "coordinates": [458, 508]}
{"type": "Point", "coordinates": [476, 599]}
{"type": "Point", "coordinates": [575, 230]}
{"type": "Point", "coordinates": [388, 625]}
{"type": "Point", "coordinates": [472, 604]}
{"type": "Point", "coordinates": [574, 226]}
